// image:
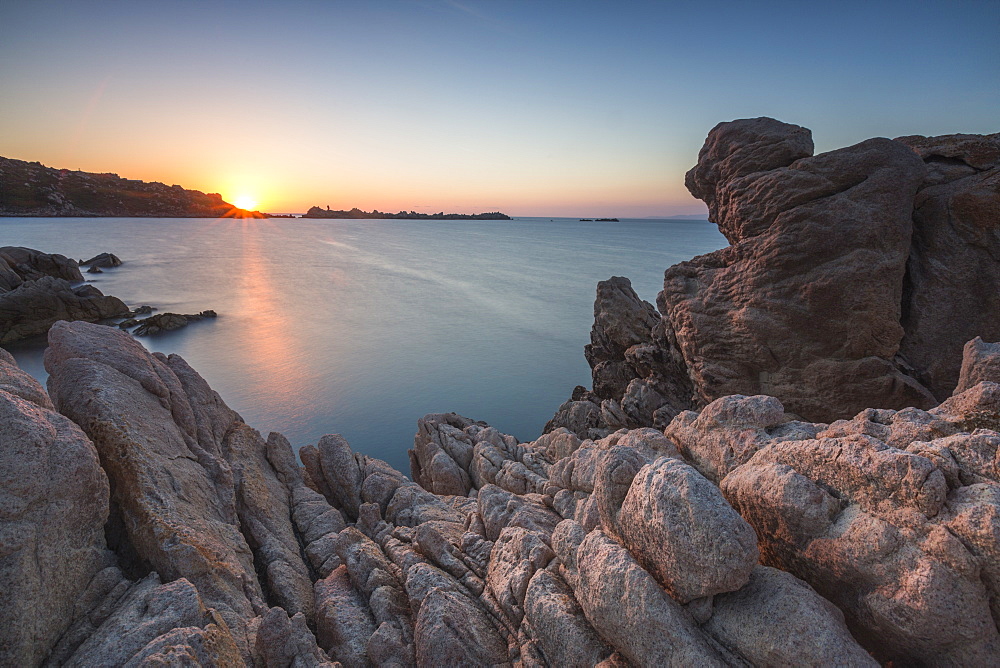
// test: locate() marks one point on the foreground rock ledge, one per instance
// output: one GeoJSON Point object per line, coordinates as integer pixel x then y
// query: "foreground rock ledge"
{"type": "Point", "coordinates": [145, 522]}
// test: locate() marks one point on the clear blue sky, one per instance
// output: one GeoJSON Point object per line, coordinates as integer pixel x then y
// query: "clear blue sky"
{"type": "Point", "coordinates": [533, 108]}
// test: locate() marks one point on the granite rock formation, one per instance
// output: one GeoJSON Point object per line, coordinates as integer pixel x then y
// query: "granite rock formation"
{"type": "Point", "coordinates": [142, 522]}
{"type": "Point", "coordinates": [38, 289]}
{"type": "Point", "coordinates": [145, 521]}
{"type": "Point", "coordinates": [854, 278]}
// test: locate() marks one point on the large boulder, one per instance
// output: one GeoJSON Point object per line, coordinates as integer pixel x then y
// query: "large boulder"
{"type": "Point", "coordinates": [29, 264]}
{"type": "Point", "coordinates": [677, 525]}
{"type": "Point", "coordinates": [888, 534]}
{"type": "Point", "coordinates": [35, 305]}
{"type": "Point", "coordinates": [53, 507]}
{"type": "Point", "coordinates": [159, 430]}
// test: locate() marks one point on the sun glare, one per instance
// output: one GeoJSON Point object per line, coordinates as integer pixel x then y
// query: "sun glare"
{"type": "Point", "coordinates": [245, 202]}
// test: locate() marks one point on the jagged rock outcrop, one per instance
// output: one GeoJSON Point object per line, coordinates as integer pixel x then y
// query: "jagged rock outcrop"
{"type": "Point", "coordinates": [878, 534]}
{"type": "Point", "coordinates": [805, 303]}
{"type": "Point", "coordinates": [196, 496]}
{"type": "Point", "coordinates": [639, 375]}
{"type": "Point", "coordinates": [36, 290]}
{"type": "Point", "coordinates": [853, 280]}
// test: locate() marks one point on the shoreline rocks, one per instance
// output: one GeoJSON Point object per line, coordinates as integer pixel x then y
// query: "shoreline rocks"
{"type": "Point", "coordinates": [165, 322]}
{"type": "Point", "coordinates": [142, 522]}
{"type": "Point", "coordinates": [816, 543]}
{"type": "Point", "coordinates": [38, 289]}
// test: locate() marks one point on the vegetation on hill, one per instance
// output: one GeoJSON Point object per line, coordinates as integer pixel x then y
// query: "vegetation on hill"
{"type": "Point", "coordinates": [32, 189]}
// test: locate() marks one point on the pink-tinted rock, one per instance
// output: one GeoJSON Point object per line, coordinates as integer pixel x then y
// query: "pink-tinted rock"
{"type": "Point", "coordinates": [678, 526]}
{"type": "Point", "coordinates": [565, 636]}
{"type": "Point", "coordinates": [778, 620]}
{"type": "Point", "coordinates": [344, 623]}
{"type": "Point", "coordinates": [631, 611]}
{"type": "Point", "coordinates": [852, 518]}
{"type": "Point", "coordinates": [805, 305]}
{"type": "Point", "coordinates": [980, 361]}
{"type": "Point", "coordinates": [53, 507]}
{"type": "Point", "coordinates": [517, 555]}
{"type": "Point", "coordinates": [730, 430]}
{"type": "Point", "coordinates": [451, 630]}
{"type": "Point", "coordinates": [156, 619]}
{"type": "Point", "coordinates": [442, 453]}
{"type": "Point", "coordinates": [161, 447]}
{"type": "Point", "coordinates": [284, 641]}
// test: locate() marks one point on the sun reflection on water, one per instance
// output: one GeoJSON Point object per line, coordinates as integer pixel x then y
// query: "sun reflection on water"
{"type": "Point", "coordinates": [279, 366]}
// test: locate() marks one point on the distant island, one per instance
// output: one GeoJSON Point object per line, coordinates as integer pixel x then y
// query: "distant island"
{"type": "Point", "coordinates": [316, 212]}
{"type": "Point", "coordinates": [32, 189]}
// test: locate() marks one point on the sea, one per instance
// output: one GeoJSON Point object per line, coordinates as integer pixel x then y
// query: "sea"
{"type": "Point", "coordinates": [360, 327]}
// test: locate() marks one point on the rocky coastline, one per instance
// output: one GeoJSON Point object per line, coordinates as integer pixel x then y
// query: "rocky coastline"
{"type": "Point", "coordinates": [39, 289]}
{"type": "Point", "coordinates": [791, 460]}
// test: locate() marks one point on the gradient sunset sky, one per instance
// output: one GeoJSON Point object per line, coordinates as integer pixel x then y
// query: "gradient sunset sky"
{"type": "Point", "coordinates": [532, 108]}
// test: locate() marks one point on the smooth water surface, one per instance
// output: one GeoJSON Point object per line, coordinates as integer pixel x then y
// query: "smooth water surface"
{"type": "Point", "coordinates": [361, 327]}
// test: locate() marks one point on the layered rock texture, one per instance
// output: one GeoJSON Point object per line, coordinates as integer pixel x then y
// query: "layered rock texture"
{"type": "Point", "coordinates": [854, 278]}
{"type": "Point", "coordinates": [38, 289]}
{"type": "Point", "coordinates": [144, 523]}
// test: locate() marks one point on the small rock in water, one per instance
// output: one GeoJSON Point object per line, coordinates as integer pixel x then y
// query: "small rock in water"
{"type": "Point", "coordinates": [103, 260]}
{"type": "Point", "coordinates": [166, 322]}
{"type": "Point", "coordinates": [94, 269]}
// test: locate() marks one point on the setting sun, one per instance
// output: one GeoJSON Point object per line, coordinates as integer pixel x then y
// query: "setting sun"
{"type": "Point", "coordinates": [245, 202]}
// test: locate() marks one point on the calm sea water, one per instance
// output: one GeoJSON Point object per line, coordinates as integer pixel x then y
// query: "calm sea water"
{"type": "Point", "coordinates": [361, 327]}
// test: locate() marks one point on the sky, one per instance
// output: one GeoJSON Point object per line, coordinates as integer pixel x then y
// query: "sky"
{"type": "Point", "coordinates": [534, 108]}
